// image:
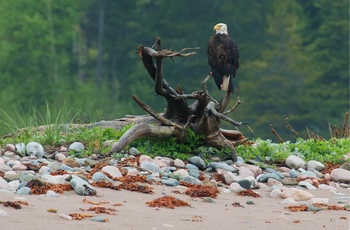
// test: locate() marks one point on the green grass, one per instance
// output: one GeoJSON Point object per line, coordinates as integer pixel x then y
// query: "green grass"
{"type": "Point", "coordinates": [23, 127]}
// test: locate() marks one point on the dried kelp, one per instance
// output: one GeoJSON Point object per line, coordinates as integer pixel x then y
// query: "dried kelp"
{"type": "Point", "coordinates": [133, 179]}
{"type": "Point", "coordinates": [248, 192]}
{"type": "Point", "coordinates": [136, 187]}
{"type": "Point", "coordinates": [38, 187]}
{"type": "Point", "coordinates": [202, 191]}
{"type": "Point", "coordinates": [305, 208]}
{"type": "Point", "coordinates": [80, 216]}
{"type": "Point", "coordinates": [167, 202]}
{"type": "Point", "coordinates": [101, 209]}
{"type": "Point", "coordinates": [14, 204]}
{"type": "Point", "coordinates": [95, 203]}
{"type": "Point", "coordinates": [104, 184]}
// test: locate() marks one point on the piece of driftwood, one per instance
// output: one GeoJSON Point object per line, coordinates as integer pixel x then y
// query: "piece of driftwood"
{"type": "Point", "coordinates": [202, 116]}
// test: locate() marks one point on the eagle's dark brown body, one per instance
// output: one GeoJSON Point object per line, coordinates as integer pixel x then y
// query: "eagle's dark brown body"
{"type": "Point", "coordinates": [223, 57]}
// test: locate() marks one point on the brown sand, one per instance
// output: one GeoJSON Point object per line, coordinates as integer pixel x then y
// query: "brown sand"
{"type": "Point", "coordinates": [267, 213]}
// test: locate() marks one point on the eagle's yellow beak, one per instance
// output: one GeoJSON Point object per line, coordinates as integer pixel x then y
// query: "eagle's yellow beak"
{"type": "Point", "coordinates": [216, 27]}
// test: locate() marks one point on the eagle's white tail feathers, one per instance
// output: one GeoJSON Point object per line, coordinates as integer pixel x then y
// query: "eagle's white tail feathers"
{"type": "Point", "coordinates": [225, 83]}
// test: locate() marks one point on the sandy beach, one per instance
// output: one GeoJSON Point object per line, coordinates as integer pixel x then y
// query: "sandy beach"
{"type": "Point", "coordinates": [133, 214]}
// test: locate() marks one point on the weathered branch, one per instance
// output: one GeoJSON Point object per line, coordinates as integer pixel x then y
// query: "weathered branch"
{"type": "Point", "coordinates": [154, 114]}
{"type": "Point", "coordinates": [169, 53]}
{"type": "Point", "coordinates": [276, 134]}
{"type": "Point", "coordinates": [238, 102]}
{"type": "Point", "coordinates": [142, 130]}
{"type": "Point", "coordinates": [210, 109]}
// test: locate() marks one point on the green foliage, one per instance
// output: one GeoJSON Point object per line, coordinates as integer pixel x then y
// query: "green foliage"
{"type": "Point", "coordinates": [332, 150]}
{"type": "Point", "coordinates": [170, 147]}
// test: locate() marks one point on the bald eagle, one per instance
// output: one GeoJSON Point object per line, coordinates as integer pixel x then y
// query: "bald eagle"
{"type": "Point", "coordinates": [223, 57]}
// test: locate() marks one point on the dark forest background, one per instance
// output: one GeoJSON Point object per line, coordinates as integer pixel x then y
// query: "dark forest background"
{"type": "Point", "coordinates": [82, 53]}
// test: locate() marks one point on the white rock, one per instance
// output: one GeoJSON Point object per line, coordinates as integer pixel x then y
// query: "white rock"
{"type": "Point", "coordinates": [294, 162]}
{"type": "Point", "coordinates": [296, 194]}
{"type": "Point", "coordinates": [235, 187]}
{"type": "Point", "coordinates": [76, 147]}
{"type": "Point", "coordinates": [112, 170]}
{"type": "Point", "coordinates": [253, 182]}
{"type": "Point", "coordinates": [2, 161]}
{"type": "Point", "coordinates": [13, 185]}
{"type": "Point", "coordinates": [340, 175]}
{"type": "Point", "coordinates": [60, 179]}
{"type": "Point", "coordinates": [314, 165]}
{"type": "Point", "coordinates": [275, 193]}
{"type": "Point", "coordinates": [21, 148]}
{"type": "Point", "coordinates": [132, 172]}
{"type": "Point", "coordinates": [19, 167]}
{"type": "Point", "coordinates": [289, 201]}
{"type": "Point", "coordinates": [179, 163]}
{"type": "Point", "coordinates": [60, 157]}
{"type": "Point", "coordinates": [44, 169]}
{"type": "Point", "coordinates": [181, 172]}
{"type": "Point", "coordinates": [245, 172]}
{"type": "Point", "coordinates": [35, 149]}
{"type": "Point", "coordinates": [319, 200]}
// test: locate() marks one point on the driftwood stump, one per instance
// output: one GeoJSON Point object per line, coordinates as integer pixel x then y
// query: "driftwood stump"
{"type": "Point", "coordinates": [201, 116]}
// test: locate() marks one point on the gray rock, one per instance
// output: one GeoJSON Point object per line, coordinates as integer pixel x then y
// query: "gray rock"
{"type": "Point", "coordinates": [170, 182]}
{"type": "Point", "coordinates": [270, 170]}
{"type": "Point", "coordinates": [294, 162]}
{"type": "Point", "coordinates": [191, 166]}
{"type": "Point", "coordinates": [193, 172]}
{"type": "Point", "coordinates": [197, 161]}
{"type": "Point", "coordinates": [77, 147]}
{"type": "Point", "coordinates": [345, 166]}
{"type": "Point", "coordinates": [308, 173]}
{"type": "Point", "coordinates": [34, 149]}
{"type": "Point", "coordinates": [54, 166]}
{"type": "Point", "coordinates": [21, 149]}
{"type": "Point", "coordinates": [191, 180]}
{"type": "Point", "coordinates": [314, 165]}
{"type": "Point", "coordinates": [99, 176]}
{"type": "Point", "coordinates": [66, 168]}
{"type": "Point", "coordinates": [244, 183]}
{"type": "Point", "coordinates": [134, 152]}
{"type": "Point", "coordinates": [220, 165]}
{"type": "Point", "coordinates": [82, 187]}
{"type": "Point", "coordinates": [24, 191]}
{"type": "Point", "coordinates": [150, 166]}
{"type": "Point", "coordinates": [307, 185]}
{"type": "Point", "coordinates": [265, 177]}
{"type": "Point", "coordinates": [293, 173]}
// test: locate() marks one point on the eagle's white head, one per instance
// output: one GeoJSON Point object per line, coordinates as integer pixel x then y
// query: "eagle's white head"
{"type": "Point", "coordinates": [221, 28]}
